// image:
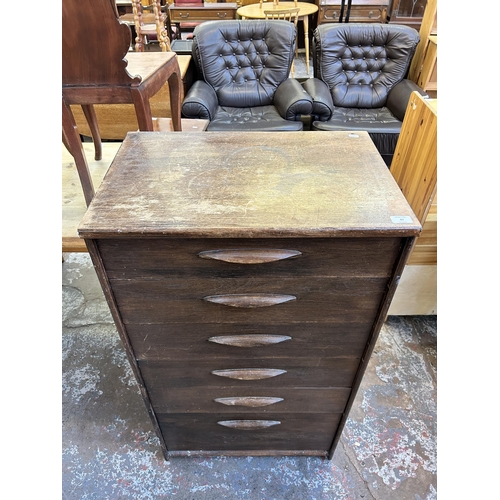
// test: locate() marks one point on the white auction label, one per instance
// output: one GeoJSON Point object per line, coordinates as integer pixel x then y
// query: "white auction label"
{"type": "Point", "coordinates": [401, 219]}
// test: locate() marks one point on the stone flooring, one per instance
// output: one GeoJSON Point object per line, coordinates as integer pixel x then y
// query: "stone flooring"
{"type": "Point", "coordinates": [110, 451]}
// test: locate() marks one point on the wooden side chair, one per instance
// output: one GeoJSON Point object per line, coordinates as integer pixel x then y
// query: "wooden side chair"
{"type": "Point", "coordinates": [146, 32]}
{"type": "Point", "coordinates": [291, 15]}
{"type": "Point", "coordinates": [97, 68]}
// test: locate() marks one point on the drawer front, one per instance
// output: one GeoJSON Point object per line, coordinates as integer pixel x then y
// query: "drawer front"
{"type": "Point", "coordinates": [248, 401]}
{"type": "Point", "coordinates": [185, 432]}
{"type": "Point", "coordinates": [193, 341]}
{"type": "Point", "coordinates": [242, 373]}
{"type": "Point", "coordinates": [229, 258]}
{"type": "Point", "coordinates": [373, 14]}
{"type": "Point", "coordinates": [183, 15]}
{"type": "Point", "coordinates": [255, 300]}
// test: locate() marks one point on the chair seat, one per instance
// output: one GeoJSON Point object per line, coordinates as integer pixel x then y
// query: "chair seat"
{"type": "Point", "coordinates": [262, 118]}
{"type": "Point", "coordinates": [375, 121]}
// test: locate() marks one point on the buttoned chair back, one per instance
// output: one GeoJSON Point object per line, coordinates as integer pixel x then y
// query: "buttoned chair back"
{"type": "Point", "coordinates": [244, 69]}
{"type": "Point", "coordinates": [360, 79]}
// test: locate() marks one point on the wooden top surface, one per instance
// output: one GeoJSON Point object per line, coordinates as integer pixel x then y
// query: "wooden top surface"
{"type": "Point", "coordinates": [253, 184]}
{"type": "Point", "coordinates": [144, 64]}
{"type": "Point", "coordinates": [256, 11]}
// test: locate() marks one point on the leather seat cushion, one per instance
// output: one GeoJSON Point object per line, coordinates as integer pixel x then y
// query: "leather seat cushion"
{"type": "Point", "coordinates": [377, 120]}
{"type": "Point", "coordinates": [262, 118]}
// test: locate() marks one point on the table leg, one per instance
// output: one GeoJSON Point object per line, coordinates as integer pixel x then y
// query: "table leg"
{"type": "Point", "coordinates": [73, 143]}
{"type": "Point", "coordinates": [172, 73]}
{"type": "Point", "coordinates": [142, 110]}
{"type": "Point", "coordinates": [89, 112]}
{"type": "Point", "coordinates": [174, 88]}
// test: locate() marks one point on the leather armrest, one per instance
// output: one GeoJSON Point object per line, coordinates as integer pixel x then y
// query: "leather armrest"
{"type": "Point", "coordinates": [322, 98]}
{"type": "Point", "coordinates": [200, 102]}
{"type": "Point", "coordinates": [291, 100]}
{"type": "Point", "coordinates": [398, 97]}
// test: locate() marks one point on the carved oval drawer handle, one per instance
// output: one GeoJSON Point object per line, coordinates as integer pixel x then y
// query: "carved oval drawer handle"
{"type": "Point", "coordinates": [248, 425]}
{"type": "Point", "coordinates": [252, 340]}
{"type": "Point", "coordinates": [251, 401]}
{"type": "Point", "coordinates": [249, 373]}
{"type": "Point", "coordinates": [250, 300]}
{"type": "Point", "coordinates": [250, 255]}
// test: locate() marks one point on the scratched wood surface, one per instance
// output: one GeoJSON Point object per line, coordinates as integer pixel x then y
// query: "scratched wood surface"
{"type": "Point", "coordinates": [253, 184]}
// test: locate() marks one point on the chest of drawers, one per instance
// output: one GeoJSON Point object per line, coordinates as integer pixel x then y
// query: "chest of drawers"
{"type": "Point", "coordinates": [362, 11]}
{"type": "Point", "coordinates": [202, 12]}
{"type": "Point", "coordinates": [248, 276]}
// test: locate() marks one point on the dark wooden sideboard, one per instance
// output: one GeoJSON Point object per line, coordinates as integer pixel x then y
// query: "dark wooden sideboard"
{"type": "Point", "coordinates": [249, 276]}
{"type": "Point", "coordinates": [200, 12]}
{"type": "Point", "coordinates": [362, 11]}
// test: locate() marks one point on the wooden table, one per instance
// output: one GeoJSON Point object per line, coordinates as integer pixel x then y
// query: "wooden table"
{"type": "Point", "coordinates": [99, 73]}
{"type": "Point", "coordinates": [115, 120]}
{"type": "Point", "coordinates": [196, 12]}
{"type": "Point", "coordinates": [256, 11]}
{"type": "Point", "coordinates": [249, 275]}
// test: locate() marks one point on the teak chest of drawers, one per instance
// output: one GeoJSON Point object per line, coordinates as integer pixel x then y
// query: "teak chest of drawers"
{"type": "Point", "coordinates": [248, 275]}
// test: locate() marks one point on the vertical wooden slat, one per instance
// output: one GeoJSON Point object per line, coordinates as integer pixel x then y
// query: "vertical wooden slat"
{"type": "Point", "coordinates": [414, 166]}
{"type": "Point", "coordinates": [426, 28]}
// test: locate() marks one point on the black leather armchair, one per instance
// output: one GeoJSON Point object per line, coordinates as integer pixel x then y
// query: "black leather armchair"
{"type": "Point", "coordinates": [359, 80]}
{"type": "Point", "coordinates": [244, 80]}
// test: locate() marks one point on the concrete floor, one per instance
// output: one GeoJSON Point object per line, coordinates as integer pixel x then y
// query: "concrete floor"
{"type": "Point", "coordinates": [387, 450]}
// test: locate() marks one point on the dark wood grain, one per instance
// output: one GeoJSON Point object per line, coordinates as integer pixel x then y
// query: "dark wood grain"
{"type": "Point", "coordinates": [296, 431]}
{"type": "Point", "coordinates": [157, 258]}
{"type": "Point", "coordinates": [190, 340]}
{"type": "Point", "coordinates": [182, 300]}
{"type": "Point", "coordinates": [169, 399]}
{"type": "Point", "coordinates": [300, 372]}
